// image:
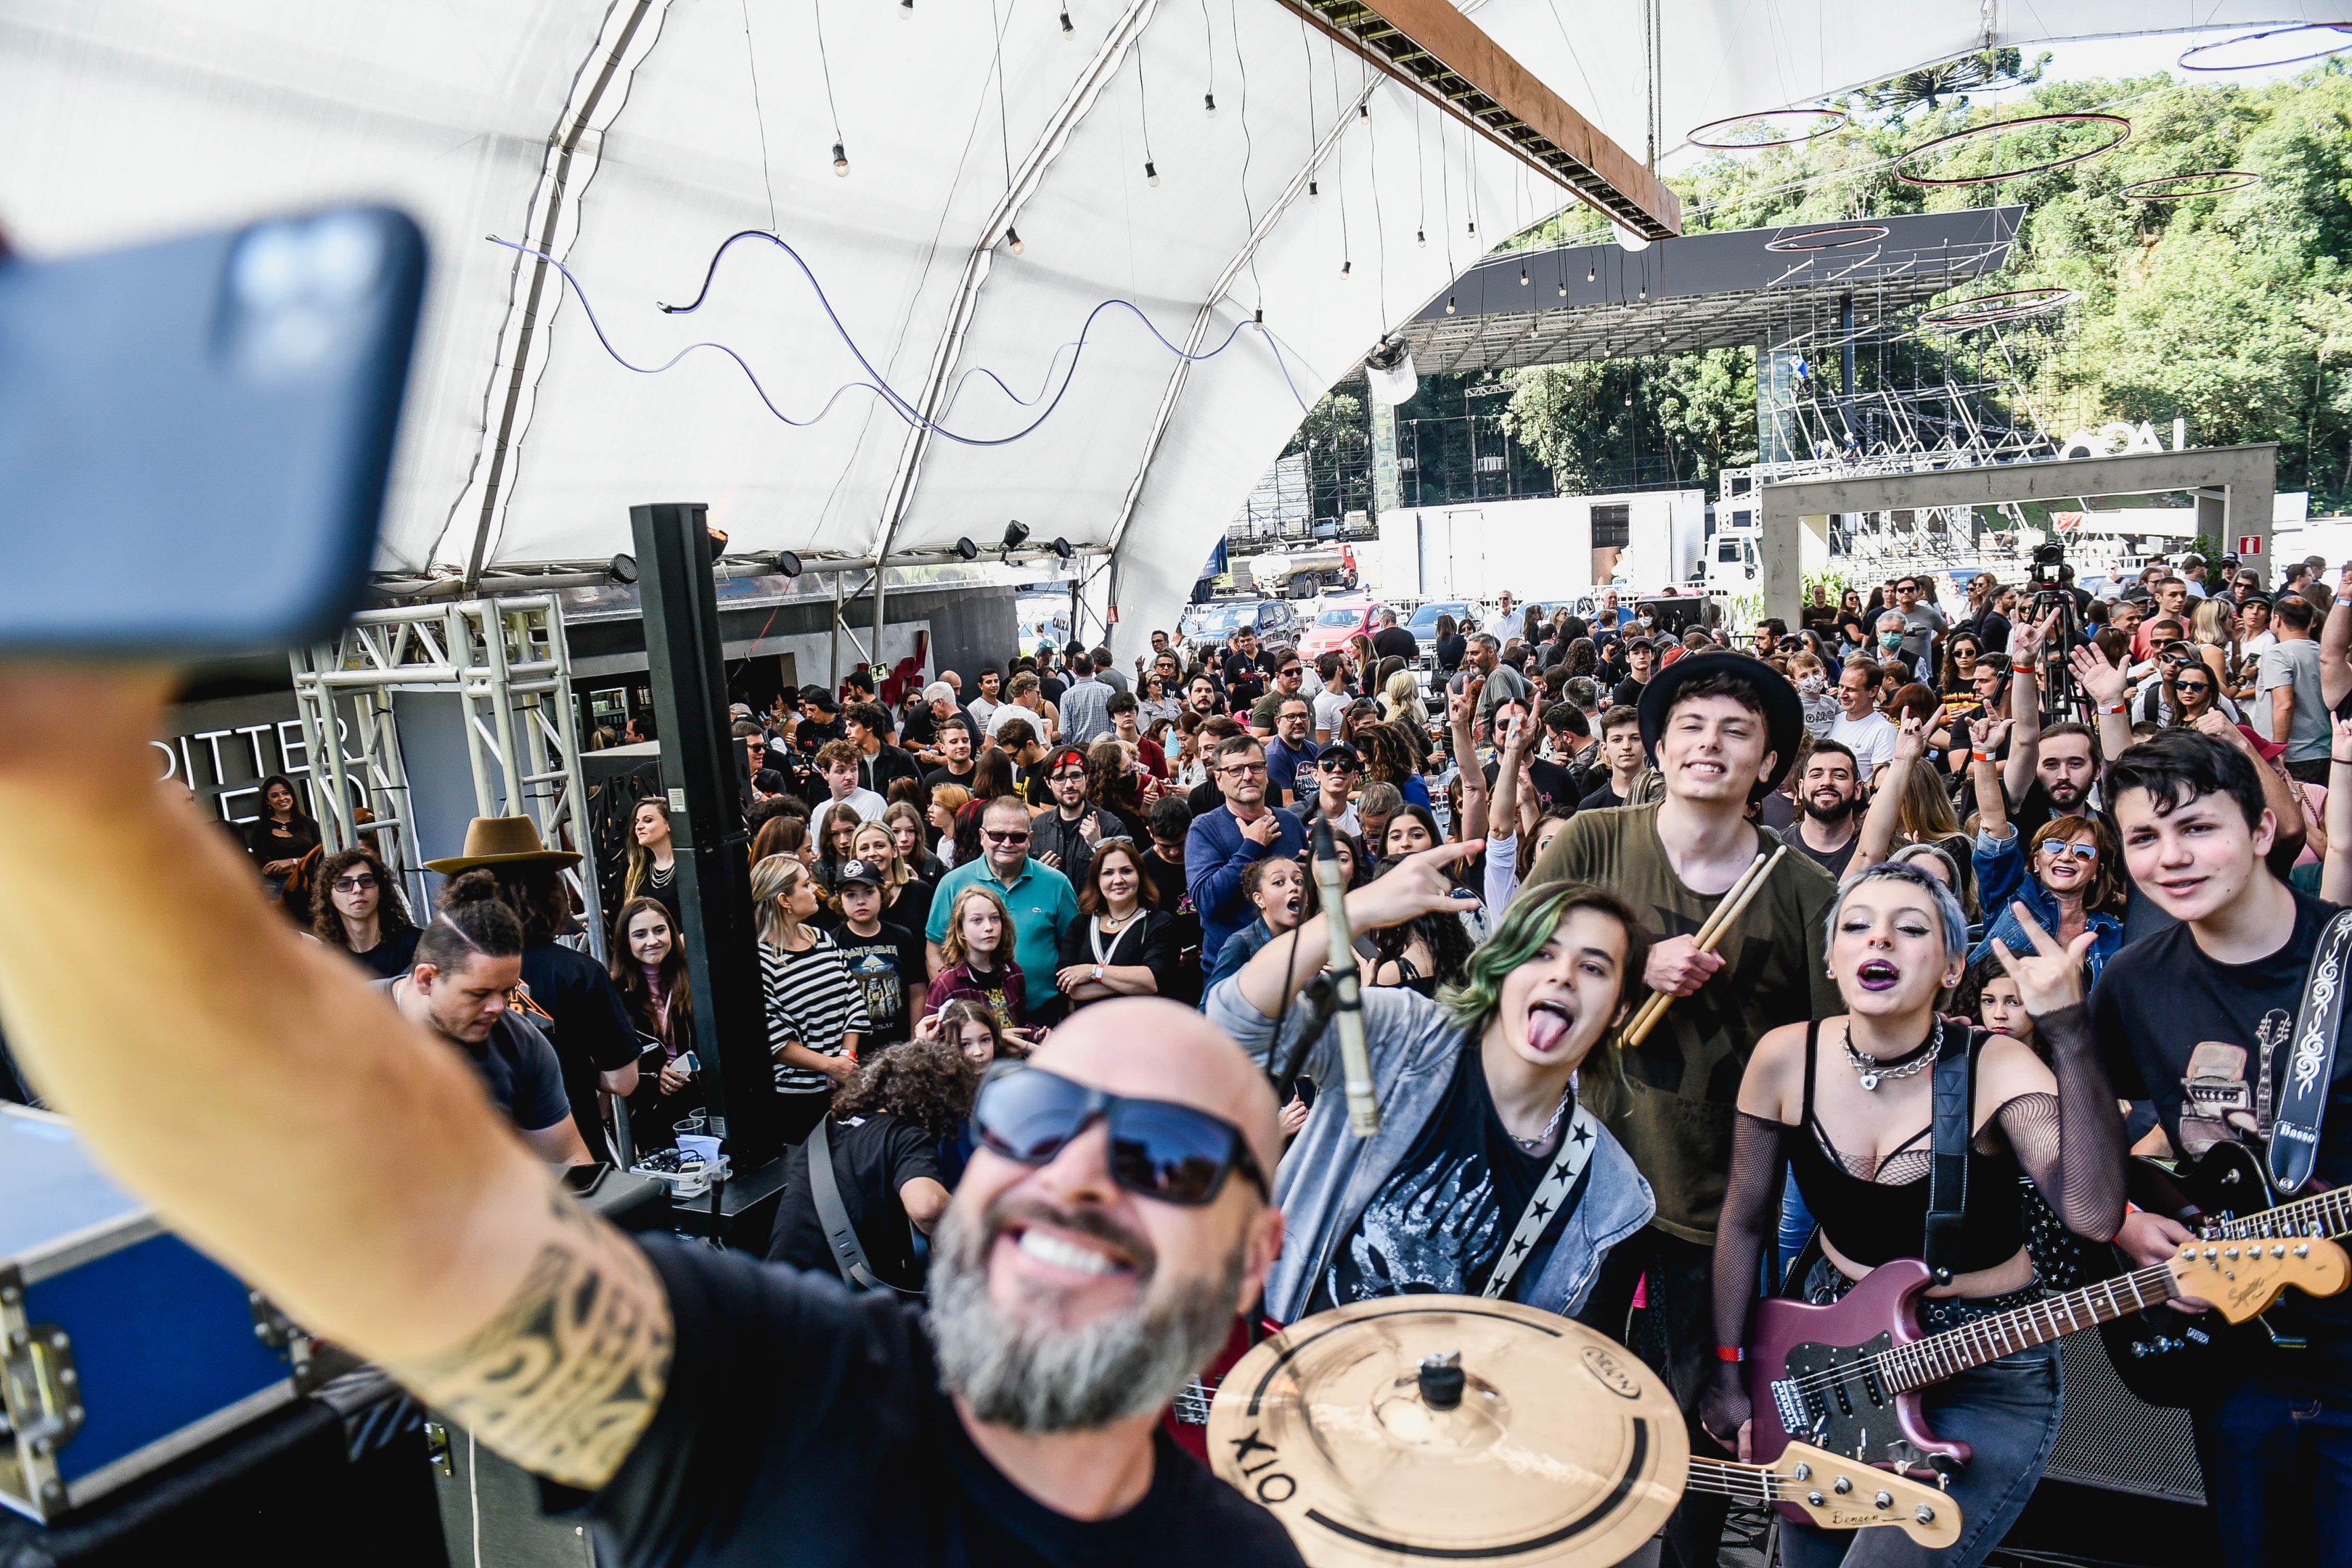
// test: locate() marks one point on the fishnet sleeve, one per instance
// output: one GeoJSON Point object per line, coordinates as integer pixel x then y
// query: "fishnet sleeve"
{"type": "Point", "coordinates": [2072, 1142]}
{"type": "Point", "coordinates": [1751, 1203]}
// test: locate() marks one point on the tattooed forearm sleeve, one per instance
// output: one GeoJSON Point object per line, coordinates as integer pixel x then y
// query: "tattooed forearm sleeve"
{"type": "Point", "coordinates": [569, 1373]}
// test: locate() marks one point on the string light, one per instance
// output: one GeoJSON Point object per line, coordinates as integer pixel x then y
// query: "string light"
{"type": "Point", "coordinates": [1067, 29]}
{"type": "Point", "coordinates": [1589, 273]}
{"type": "Point", "coordinates": [1420, 237]}
{"type": "Point", "coordinates": [840, 161]}
{"type": "Point", "coordinates": [1346, 267]}
{"type": "Point", "coordinates": [1151, 173]}
{"type": "Point", "coordinates": [1312, 191]}
{"type": "Point", "coordinates": [1523, 274]}
{"type": "Point", "coordinates": [1210, 99]}
{"type": "Point", "coordinates": [1013, 241]}
{"type": "Point", "coordinates": [906, 10]}
{"type": "Point", "coordinates": [1449, 304]}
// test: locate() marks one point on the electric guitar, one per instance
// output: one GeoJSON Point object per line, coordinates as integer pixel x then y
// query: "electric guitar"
{"type": "Point", "coordinates": [1846, 1377]}
{"type": "Point", "coordinates": [1805, 1482]}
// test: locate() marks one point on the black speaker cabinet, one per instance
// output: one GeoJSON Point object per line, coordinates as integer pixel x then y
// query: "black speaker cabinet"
{"type": "Point", "coordinates": [2111, 1439]}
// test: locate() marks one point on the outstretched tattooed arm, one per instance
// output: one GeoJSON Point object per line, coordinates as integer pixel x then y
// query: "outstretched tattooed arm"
{"type": "Point", "coordinates": [284, 1117]}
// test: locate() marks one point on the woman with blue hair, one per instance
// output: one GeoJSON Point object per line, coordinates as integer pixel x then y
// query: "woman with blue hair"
{"type": "Point", "coordinates": [1846, 1102]}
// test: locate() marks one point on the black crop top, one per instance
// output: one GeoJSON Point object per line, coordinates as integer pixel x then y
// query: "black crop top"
{"type": "Point", "coordinates": [1873, 1221]}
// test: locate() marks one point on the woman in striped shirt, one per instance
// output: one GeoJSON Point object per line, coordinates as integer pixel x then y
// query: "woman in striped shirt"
{"type": "Point", "coordinates": [817, 1011]}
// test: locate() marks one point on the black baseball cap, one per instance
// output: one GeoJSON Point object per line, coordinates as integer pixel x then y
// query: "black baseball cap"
{"type": "Point", "coordinates": [861, 872]}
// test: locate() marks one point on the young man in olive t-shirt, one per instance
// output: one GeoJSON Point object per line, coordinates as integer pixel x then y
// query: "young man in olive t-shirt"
{"type": "Point", "coordinates": [1722, 728]}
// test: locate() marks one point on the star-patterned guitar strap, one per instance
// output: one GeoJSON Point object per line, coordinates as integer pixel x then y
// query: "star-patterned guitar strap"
{"type": "Point", "coordinates": [1575, 1149]}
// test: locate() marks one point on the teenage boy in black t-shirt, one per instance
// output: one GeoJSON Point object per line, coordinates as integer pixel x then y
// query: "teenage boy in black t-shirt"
{"type": "Point", "coordinates": [2200, 999]}
{"type": "Point", "coordinates": [886, 961]}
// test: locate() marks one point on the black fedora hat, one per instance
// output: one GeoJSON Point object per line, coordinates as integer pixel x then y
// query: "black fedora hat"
{"type": "Point", "coordinates": [1784, 710]}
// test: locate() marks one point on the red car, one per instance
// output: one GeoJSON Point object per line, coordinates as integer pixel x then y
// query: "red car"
{"type": "Point", "coordinates": [1334, 624]}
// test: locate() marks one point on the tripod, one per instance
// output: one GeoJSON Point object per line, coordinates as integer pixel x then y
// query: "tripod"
{"type": "Point", "coordinates": [2062, 698]}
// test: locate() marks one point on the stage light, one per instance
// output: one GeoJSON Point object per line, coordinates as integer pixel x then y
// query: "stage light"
{"type": "Point", "coordinates": [787, 562]}
{"type": "Point", "coordinates": [1063, 548]}
{"type": "Point", "coordinates": [1388, 372]}
{"type": "Point", "coordinates": [1150, 173]}
{"type": "Point", "coordinates": [624, 569]}
{"type": "Point", "coordinates": [840, 161]}
{"type": "Point", "coordinates": [966, 550]}
{"type": "Point", "coordinates": [1013, 240]}
{"type": "Point", "coordinates": [1015, 532]}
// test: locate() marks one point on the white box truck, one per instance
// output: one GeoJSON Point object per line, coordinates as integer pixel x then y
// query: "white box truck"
{"type": "Point", "coordinates": [1540, 551]}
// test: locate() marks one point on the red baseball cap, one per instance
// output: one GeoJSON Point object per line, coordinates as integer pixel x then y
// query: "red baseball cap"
{"type": "Point", "coordinates": [2270, 749]}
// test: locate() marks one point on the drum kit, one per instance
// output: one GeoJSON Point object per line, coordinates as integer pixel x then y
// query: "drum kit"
{"type": "Point", "coordinates": [1455, 1428]}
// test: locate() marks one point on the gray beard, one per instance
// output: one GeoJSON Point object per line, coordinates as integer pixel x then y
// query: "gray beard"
{"type": "Point", "coordinates": [1037, 1378]}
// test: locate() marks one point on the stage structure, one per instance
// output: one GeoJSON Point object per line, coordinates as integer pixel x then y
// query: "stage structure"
{"type": "Point", "coordinates": [491, 676]}
{"type": "Point", "coordinates": [2233, 487]}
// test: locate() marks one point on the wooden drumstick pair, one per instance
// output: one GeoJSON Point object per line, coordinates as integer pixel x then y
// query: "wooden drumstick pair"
{"type": "Point", "coordinates": [1710, 936]}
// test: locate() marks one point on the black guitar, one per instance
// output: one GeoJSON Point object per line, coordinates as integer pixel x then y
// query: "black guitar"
{"type": "Point", "coordinates": [2224, 1195]}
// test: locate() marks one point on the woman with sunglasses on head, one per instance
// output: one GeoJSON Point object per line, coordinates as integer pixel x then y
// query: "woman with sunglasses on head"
{"type": "Point", "coordinates": [1490, 1175]}
{"type": "Point", "coordinates": [2065, 878]}
{"type": "Point", "coordinates": [977, 962]}
{"type": "Point", "coordinates": [1846, 1101]}
{"type": "Point", "coordinates": [355, 905]}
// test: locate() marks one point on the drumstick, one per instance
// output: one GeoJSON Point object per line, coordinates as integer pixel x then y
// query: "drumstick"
{"type": "Point", "coordinates": [1710, 936]}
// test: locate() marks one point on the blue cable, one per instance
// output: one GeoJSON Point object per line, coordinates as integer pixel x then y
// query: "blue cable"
{"type": "Point", "coordinates": [879, 385]}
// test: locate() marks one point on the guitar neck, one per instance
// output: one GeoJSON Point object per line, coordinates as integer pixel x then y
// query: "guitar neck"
{"type": "Point", "coordinates": [1939, 1356]}
{"type": "Point", "coordinates": [2328, 1214]}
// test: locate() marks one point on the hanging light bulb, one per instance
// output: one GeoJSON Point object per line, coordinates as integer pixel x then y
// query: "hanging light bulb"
{"type": "Point", "coordinates": [1589, 273]}
{"type": "Point", "coordinates": [1449, 304]}
{"type": "Point", "coordinates": [1563, 288]}
{"type": "Point", "coordinates": [1629, 240]}
{"type": "Point", "coordinates": [1364, 110]}
{"type": "Point", "coordinates": [1150, 173]}
{"type": "Point", "coordinates": [1311, 191]}
{"type": "Point", "coordinates": [906, 10]}
{"type": "Point", "coordinates": [1646, 291]}
{"type": "Point", "coordinates": [1346, 267]}
{"type": "Point", "coordinates": [1210, 98]}
{"type": "Point", "coordinates": [1420, 237]}
{"type": "Point", "coordinates": [1471, 229]}
{"type": "Point", "coordinates": [1066, 28]}
{"type": "Point", "coordinates": [1013, 241]}
{"type": "Point", "coordinates": [840, 161]}
{"type": "Point", "coordinates": [1523, 274]}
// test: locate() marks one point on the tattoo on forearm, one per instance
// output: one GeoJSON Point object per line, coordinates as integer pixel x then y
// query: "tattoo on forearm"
{"type": "Point", "coordinates": [566, 1377]}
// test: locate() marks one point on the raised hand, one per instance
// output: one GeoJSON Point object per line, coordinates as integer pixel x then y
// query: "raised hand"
{"type": "Point", "coordinates": [1911, 741]}
{"type": "Point", "coordinates": [2050, 977]}
{"type": "Point", "coordinates": [2025, 641]}
{"type": "Point", "coordinates": [1418, 885]}
{"type": "Point", "coordinates": [2097, 674]}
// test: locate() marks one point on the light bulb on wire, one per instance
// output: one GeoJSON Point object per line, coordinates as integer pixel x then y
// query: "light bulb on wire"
{"type": "Point", "coordinates": [1449, 304]}
{"type": "Point", "coordinates": [840, 161]}
{"type": "Point", "coordinates": [1312, 191]}
{"type": "Point", "coordinates": [1066, 28]}
{"type": "Point", "coordinates": [1420, 237]}
{"type": "Point", "coordinates": [1364, 110]}
{"type": "Point", "coordinates": [1523, 274]}
{"type": "Point", "coordinates": [1346, 267]}
{"type": "Point", "coordinates": [1150, 173]}
{"type": "Point", "coordinates": [1013, 241]}
{"type": "Point", "coordinates": [906, 10]}
{"type": "Point", "coordinates": [1209, 100]}
{"type": "Point", "coordinates": [1589, 273]}
{"type": "Point", "coordinates": [1471, 229]}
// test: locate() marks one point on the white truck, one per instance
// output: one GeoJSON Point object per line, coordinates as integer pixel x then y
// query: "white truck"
{"type": "Point", "coordinates": [1544, 550]}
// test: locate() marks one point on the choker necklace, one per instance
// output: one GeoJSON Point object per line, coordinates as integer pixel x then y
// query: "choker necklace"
{"type": "Point", "coordinates": [1544, 1137]}
{"type": "Point", "coordinates": [1910, 1063]}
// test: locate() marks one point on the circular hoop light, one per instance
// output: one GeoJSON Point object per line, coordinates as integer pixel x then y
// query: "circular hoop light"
{"type": "Point", "coordinates": [2342, 34]}
{"type": "Point", "coordinates": [1985, 310]}
{"type": "Point", "coordinates": [2121, 126]}
{"type": "Point", "coordinates": [1845, 237]}
{"type": "Point", "coordinates": [1836, 119]}
{"type": "Point", "coordinates": [2160, 188]}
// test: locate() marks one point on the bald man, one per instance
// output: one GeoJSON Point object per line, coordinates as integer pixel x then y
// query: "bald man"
{"type": "Point", "coordinates": [719, 1409]}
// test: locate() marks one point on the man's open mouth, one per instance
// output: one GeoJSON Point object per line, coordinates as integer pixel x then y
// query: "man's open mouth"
{"type": "Point", "coordinates": [1878, 974]}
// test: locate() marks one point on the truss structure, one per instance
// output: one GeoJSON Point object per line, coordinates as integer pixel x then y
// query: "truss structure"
{"type": "Point", "coordinates": [506, 661]}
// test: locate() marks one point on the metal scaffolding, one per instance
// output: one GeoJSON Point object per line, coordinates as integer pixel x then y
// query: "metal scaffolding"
{"type": "Point", "coordinates": [506, 662]}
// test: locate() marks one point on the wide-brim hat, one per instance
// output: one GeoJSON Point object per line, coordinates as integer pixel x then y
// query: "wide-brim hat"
{"type": "Point", "coordinates": [502, 841]}
{"type": "Point", "coordinates": [1784, 710]}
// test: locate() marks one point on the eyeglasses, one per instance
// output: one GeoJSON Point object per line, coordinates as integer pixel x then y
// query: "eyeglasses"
{"type": "Point", "coordinates": [355, 885]}
{"type": "Point", "coordinates": [2086, 853]}
{"type": "Point", "coordinates": [1241, 770]}
{"type": "Point", "coordinates": [1157, 1149]}
{"type": "Point", "coordinates": [994, 836]}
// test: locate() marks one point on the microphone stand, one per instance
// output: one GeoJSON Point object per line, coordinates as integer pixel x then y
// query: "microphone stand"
{"type": "Point", "coordinates": [1347, 987]}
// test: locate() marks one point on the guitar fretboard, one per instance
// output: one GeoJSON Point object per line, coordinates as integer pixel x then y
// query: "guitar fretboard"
{"type": "Point", "coordinates": [2328, 1214]}
{"type": "Point", "coordinates": [1939, 1356]}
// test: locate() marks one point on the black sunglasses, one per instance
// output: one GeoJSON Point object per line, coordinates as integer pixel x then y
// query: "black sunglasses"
{"type": "Point", "coordinates": [1157, 1149]}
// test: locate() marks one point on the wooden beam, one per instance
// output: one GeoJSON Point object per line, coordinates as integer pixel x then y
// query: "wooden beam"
{"type": "Point", "coordinates": [1435, 28]}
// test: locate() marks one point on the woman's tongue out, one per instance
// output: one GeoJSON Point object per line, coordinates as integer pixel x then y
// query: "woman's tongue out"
{"type": "Point", "coordinates": [1546, 1028]}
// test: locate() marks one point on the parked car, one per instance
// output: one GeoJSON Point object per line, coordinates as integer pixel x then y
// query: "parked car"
{"type": "Point", "coordinates": [1335, 622]}
{"type": "Point", "coordinates": [1208, 625]}
{"type": "Point", "coordinates": [1423, 622]}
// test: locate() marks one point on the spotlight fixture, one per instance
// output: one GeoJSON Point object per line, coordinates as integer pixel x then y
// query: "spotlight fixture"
{"type": "Point", "coordinates": [1209, 101]}
{"type": "Point", "coordinates": [622, 569]}
{"type": "Point", "coordinates": [966, 550]}
{"type": "Point", "coordinates": [1150, 173]}
{"type": "Point", "coordinates": [1523, 274]}
{"type": "Point", "coordinates": [1013, 240]}
{"type": "Point", "coordinates": [840, 161]}
{"type": "Point", "coordinates": [787, 562]}
{"type": "Point", "coordinates": [1449, 304]}
{"type": "Point", "coordinates": [1388, 372]}
{"type": "Point", "coordinates": [1066, 28]}
{"type": "Point", "coordinates": [1015, 532]}
{"type": "Point", "coordinates": [1063, 548]}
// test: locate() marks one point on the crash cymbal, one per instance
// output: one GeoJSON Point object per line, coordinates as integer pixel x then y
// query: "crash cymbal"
{"type": "Point", "coordinates": [1537, 1442]}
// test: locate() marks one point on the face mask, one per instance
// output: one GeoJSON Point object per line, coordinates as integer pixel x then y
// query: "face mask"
{"type": "Point", "coordinates": [1890, 641]}
{"type": "Point", "coordinates": [1812, 685]}
{"type": "Point", "coordinates": [1645, 620]}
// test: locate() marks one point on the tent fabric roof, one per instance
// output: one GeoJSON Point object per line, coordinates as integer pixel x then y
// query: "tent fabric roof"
{"type": "Point", "coordinates": [629, 138]}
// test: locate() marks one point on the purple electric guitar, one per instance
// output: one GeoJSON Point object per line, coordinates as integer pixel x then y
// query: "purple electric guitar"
{"type": "Point", "coordinates": [1846, 1377]}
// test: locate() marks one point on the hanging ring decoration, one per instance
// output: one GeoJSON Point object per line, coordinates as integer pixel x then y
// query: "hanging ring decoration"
{"type": "Point", "coordinates": [2341, 30]}
{"type": "Point", "coordinates": [1985, 310]}
{"type": "Point", "coordinates": [2160, 189]}
{"type": "Point", "coordinates": [2121, 126]}
{"type": "Point", "coordinates": [1843, 238]}
{"type": "Point", "coordinates": [1833, 120]}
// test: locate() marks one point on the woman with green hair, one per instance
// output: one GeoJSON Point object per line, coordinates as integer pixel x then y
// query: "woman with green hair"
{"type": "Point", "coordinates": [1486, 1176]}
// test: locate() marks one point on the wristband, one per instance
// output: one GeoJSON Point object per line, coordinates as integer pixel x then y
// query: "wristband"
{"type": "Point", "coordinates": [1098, 974]}
{"type": "Point", "coordinates": [1730, 1354]}
{"type": "Point", "coordinates": [2116, 707]}
{"type": "Point", "coordinates": [2342, 761]}
{"type": "Point", "coordinates": [1979, 756]}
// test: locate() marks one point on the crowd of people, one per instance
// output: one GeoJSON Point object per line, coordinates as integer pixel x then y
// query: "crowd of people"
{"type": "Point", "coordinates": [2110, 912]}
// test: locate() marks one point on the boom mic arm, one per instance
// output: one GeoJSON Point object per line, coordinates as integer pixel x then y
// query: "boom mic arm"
{"type": "Point", "coordinates": [1347, 986]}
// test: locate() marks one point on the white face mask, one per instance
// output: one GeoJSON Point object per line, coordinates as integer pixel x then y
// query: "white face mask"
{"type": "Point", "coordinates": [1812, 685]}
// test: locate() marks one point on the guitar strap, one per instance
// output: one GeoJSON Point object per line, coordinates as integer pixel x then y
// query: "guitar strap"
{"type": "Point", "coordinates": [1954, 1124]}
{"type": "Point", "coordinates": [848, 1252]}
{"type": "Point", "coordinates": [1575, 1151]}
{"type": "Point", "coordinates": [2311, 1063]}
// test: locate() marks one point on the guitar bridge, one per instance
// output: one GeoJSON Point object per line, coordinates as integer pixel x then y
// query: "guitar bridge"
{"type": "Point", "coordinates": [1790, 1405]}
{"type": "Point", "coordinates": [1192, 1405]}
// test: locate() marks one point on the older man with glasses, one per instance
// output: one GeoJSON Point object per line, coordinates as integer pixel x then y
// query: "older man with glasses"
{"type": "Point", "coordinates": [1040, 899]}
{"type": "Point", "coordinates": [1223, 842]}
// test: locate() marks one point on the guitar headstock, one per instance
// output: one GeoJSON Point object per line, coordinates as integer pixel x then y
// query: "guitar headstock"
{"type": "Point", "coordinates": [2240, 1279]}
{"type": "Point", "coordinates": [1844, 1494]}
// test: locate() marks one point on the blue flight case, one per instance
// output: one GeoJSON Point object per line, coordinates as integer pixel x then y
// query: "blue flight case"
{"type": "Point", "coordinates": [121, 1347]}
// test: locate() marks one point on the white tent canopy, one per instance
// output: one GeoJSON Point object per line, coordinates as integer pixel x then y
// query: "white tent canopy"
{"type": "Point", "coordinates": [628, 136]}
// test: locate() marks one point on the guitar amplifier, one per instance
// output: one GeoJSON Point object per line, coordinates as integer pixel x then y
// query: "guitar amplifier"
{"type": "Point", "coordinates": [2111, 1439]}
{"type": "Point", "coordinates": [121, 1347]}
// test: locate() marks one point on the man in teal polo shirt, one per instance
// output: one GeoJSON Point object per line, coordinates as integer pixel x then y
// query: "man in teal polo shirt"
{"type": "Point", "coordinates": [1040, 898]}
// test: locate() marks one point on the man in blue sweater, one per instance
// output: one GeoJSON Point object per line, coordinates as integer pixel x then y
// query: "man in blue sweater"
{"type": "Point", "coordinates": [1222, 843]}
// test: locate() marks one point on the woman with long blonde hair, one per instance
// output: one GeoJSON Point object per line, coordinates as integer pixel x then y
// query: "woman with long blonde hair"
{"type": "Point", "coordinates": [816, 1008]}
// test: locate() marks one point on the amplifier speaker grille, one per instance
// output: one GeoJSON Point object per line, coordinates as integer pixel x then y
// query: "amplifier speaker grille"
{"type": "Point", "coordinates": [2111, 1439]}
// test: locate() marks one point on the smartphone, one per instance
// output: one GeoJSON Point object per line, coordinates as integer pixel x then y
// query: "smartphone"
{"type": "Point", "coordinates": [194, 434]}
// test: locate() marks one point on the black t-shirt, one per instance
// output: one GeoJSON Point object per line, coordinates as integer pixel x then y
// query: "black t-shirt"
{"type": "Point", "coordinates": [1602, 797]}
{"type": "Point", "coordinates": [889, 968]}
{"type": "Point", "coordinates": [947, 775]}
{"type": "Point", "coordinates": [802, 1422]}
{"type": "Point", "coordinates": [2156, 1001]}
{"type": "Point", "coordinates": [917, 728]}
{"type": "Point", "coordinates": [1449, 653]}
{"type": "Point", "coordinates": [1628, 693]}
{"type": "Point", "coordinates": [518, 1068]}
{"type": "Point", "coordinates": [1441, 1220]}
{"type": "Point", "coordinates": [873, 1157]}
{"type": "Point", "coordinates": [390, 956]}
{"type": "Point", "coordinates": [1184, 983]}
{"type": "Point", "coordinates": [1558, 788]}
{"type": "Point", "coordinates": [575, 1004]}
{"type": "Point", "coordinates": [1245, 675]}
{"type": "Point", "coordinates": [1395, 642]}
{"type": "Point", "coordinates": [1205, 797]}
